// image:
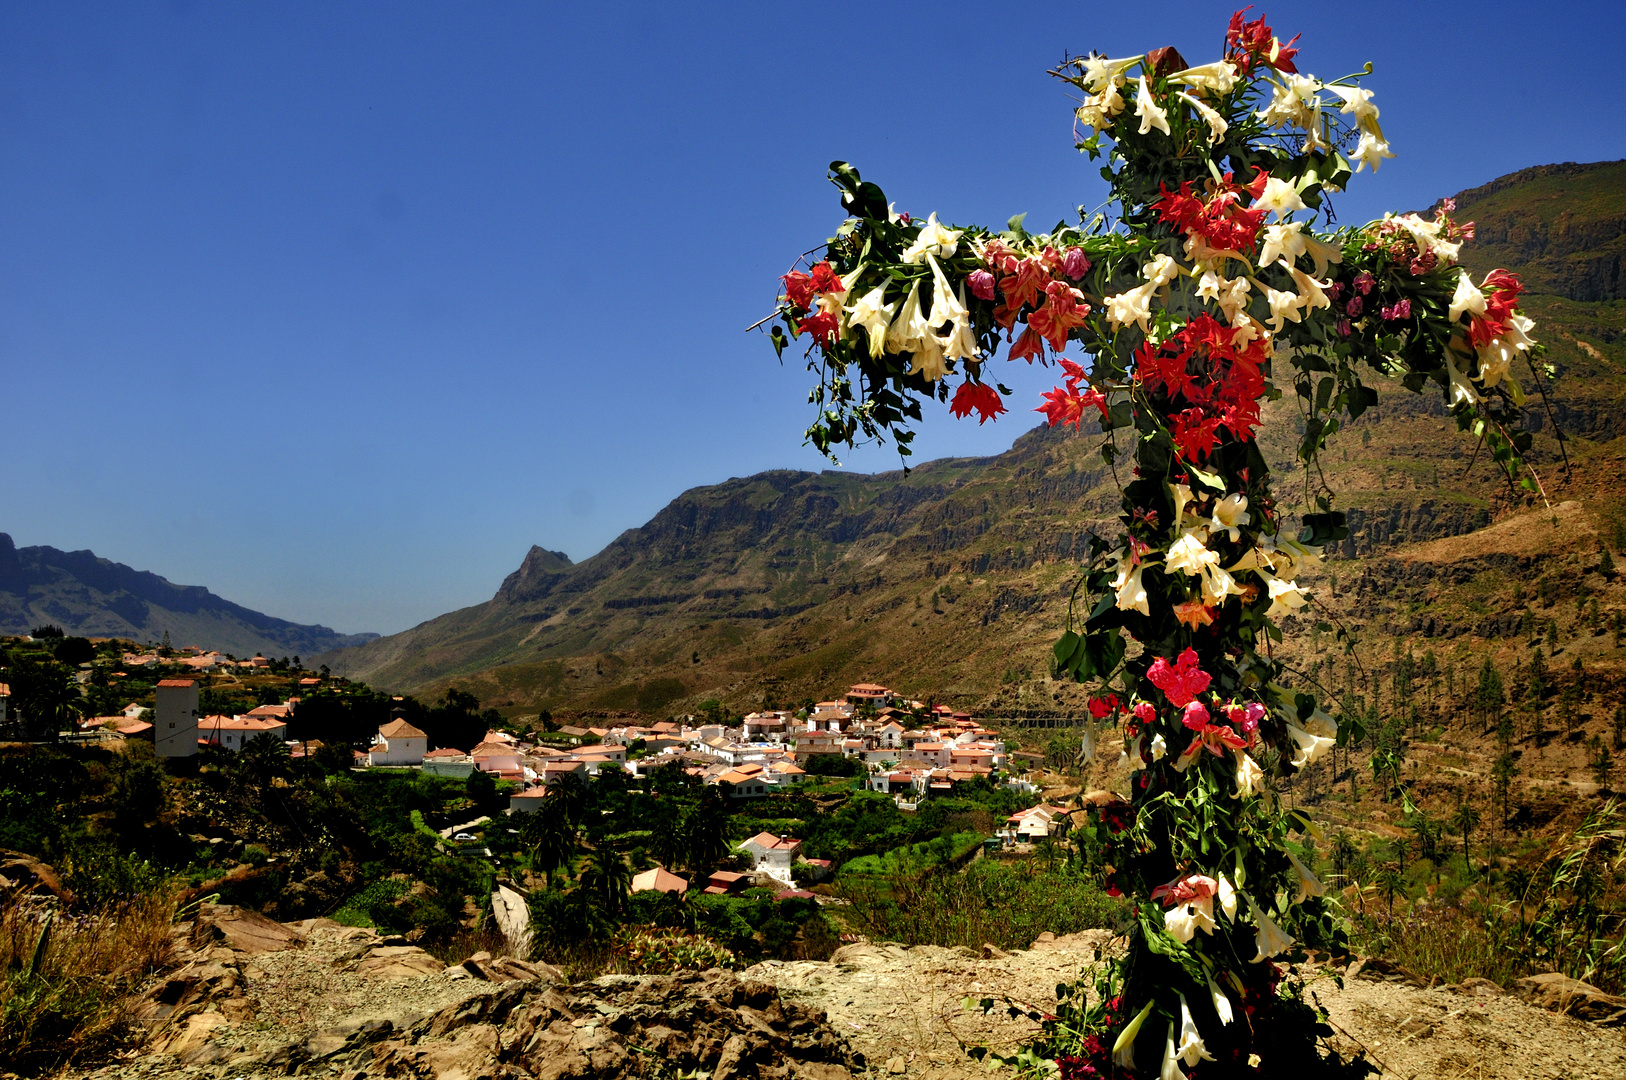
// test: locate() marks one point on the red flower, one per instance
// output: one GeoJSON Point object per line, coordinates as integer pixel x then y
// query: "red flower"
{"type": "Point", "coordinates": [1025, 285]}
{"type": "Point", "coordinates": [798, 290]}
{"type": "Point", "coordinates": [1503, 289]}
{"type": "Point", "coordinates": [979, 396]}
{"type": "Point", "coordinates": [1066, 404]}
{"type": "Point", "coordinates": [1247, 44]}
{"type": "Point", "coordinates": [1221, 220]}
{"type": "Point", "coordinates": [1181, 682]}
{"type": "Point", "coordinates": [1063, 309]}
{"type": "Point", "coordinates": [824, 327]}
{"type": "Point", "coordinates": [1195, 434]}
{"type": "Point", "coordinates": [1103, 707]}
{"type": "Point", "coordinates": [825, 279]}
{"type": "Point", "coordinates": [1145, 712]}
{"type": "Point", "coordinates": [1028, 345]}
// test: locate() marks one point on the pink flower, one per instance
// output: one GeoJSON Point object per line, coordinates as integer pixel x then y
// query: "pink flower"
{"type": "Point", "coordinates": [1181, 682]}
{"type": "Point", "coordinates": [1145, 713]}
{"type": "Point", "coordinates": [1355, 306]}
{"type": "Point", "coordinates": [1196, 716]}
{"type": "Point", "coordinates": [1364, 282]}
{"type": "Point", "coordinates": [1344, 329]}
{"type": "Point", "coordinates": [1075, 264]}
{"type": "Point", "coordinates": [982, 284]}
{"type": "Point", "coordinates": [1402, 310]}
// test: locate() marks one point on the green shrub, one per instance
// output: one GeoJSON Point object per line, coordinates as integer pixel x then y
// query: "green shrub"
{"type": "Point", "coordinates": [661, 952]}
{"type": "Point", "coordinates": [991, 902]}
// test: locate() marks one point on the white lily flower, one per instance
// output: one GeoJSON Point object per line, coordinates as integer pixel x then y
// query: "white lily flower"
{"type": "Point", "coordinates": [1322, 254]}
{"type": "Point", "coordinates": [1161, 270]}
{"type": "Point", "coordinates": [1230, 514]}
{"type": "Point", "coordinates": [1286, 107]}
{"type": "Point", "coordinates": [1146, 108]}
{"type": "Point", "coordinates": [1133, 306]}
{"type": "Point", "coordinates": [1289, 556]}
{"type": "Point", "coordinates": [1216, 123]}
{"type": "Point", "coordinates": [1286, 597]}
{"type": "Point", "coordinates": [1136, 763]}
{"type": "Point", "coordinates": [928, 359]}
{"type": "Point", "coordinates": [1310, 747]}
{"type": "Point", "coordinates": [1357, 102]}
{"type": "Point", "coordinates": [1227, 897]}
{"type": "Point", "coordinates": [961, 343]}
{"type": "Point", "coordinates": [1183, 920]}
{"type": "Point", "coordinates": [1252, 559]}
{"type": "Point", "coordinates": [1371, 150]}
{"type": "Point", "coordinates": [1131, 589]}
{"type": "Point", "coordinates": [1310, 290]}
{"type": "Point", "coordinates": [1160, 748]}
{"type": "Point", "coordinates": [1099, 72]}
{"type": "Point", "coordinates": [1099, 109]}
{"type": "Point", "coordinates": [1191, 1048]}
{"type": "Point", "coordinates": [1182, 499]}
{"type": "Point", "coordinates": [898, 337]}
{"type": "Point", "coordinates": [1322, 725]}
{"type": "Point", "coordinates": [1218, 584]}
{"type": "Point", "coordinates": [1250, 778]}
{"type": "Point", "coordinates": [1268, 937]}
{"type": "Point", "coordinates": [1230, 294]}
{"type": "Point", "coordinates": [1280, 197]}
{"type": "Point", "coordinates": [1086, 747]}
{"type": "Point", "coordinates": [1217, 78]}
{"type": "Point", "coordinates": [934, 239]}
{"type": "Point", "coordinates": [1189, 555]}
{"type": "Point", "coordinates": [1171, 1060]}
{"type": "Point", "coordinates": [874, 314]}
{"type": "Point", "coordinates": [1284, 308]}
{"type": "Point", "coordinates": [1309, 884]}
{"type": "Point", "coordinates": [1462, 390]}
{"type": "Point", "coordinates": [1518, 332]}
{"type": "Point", "coordinates": [1222, 1004]}
{"type": "Point", "coordinates": [1468, 299]}
{"type": "Point", "coordinates": [1284, 241]}
{"type": "Point", "coordinates": [1123, 1049]}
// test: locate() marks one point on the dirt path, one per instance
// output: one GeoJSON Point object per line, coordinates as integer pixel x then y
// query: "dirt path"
{"type": "Point", "coordinates": [903, 1007]}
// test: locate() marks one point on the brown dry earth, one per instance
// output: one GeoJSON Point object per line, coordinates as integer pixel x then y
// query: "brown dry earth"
{"type": "Point", "coordinates": [903, 1008]}
{"type": "Point", "coordinates": [255, 998]}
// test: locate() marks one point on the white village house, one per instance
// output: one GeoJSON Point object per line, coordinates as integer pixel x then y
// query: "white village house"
{"type": "Point", "coordinates": [399, 743]}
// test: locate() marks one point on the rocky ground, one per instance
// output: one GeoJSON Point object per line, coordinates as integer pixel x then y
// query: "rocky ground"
{"type": "Point", "coordinates": [902, 1007]}
{"type": "Point", "coordinates": [253, 998]}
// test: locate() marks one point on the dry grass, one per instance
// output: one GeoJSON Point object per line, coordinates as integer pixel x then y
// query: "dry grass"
{"type": "Point", "coordinates": [65, 977]}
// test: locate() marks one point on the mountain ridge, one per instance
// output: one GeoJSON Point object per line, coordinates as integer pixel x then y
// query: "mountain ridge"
{"type": "Point", "coordinates": [775, 585]}
{"type": "Point", "coordinates": [92, 596]}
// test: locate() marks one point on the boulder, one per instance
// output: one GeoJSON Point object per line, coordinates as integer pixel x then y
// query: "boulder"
{"type": "Point", "coordinates": [396, 962]}
{"type": "Point", "coordinates": [242, 930]}
{"type": "Point", "coordinates": [1561, 993]}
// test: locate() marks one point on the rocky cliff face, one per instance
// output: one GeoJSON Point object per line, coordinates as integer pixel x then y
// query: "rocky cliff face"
{"type": "Point", "coordinates": [953, 578]}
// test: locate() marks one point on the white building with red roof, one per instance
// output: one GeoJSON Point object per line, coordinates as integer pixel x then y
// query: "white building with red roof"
{"type": "Point", "coordinates": [772, 855]}
{"type": "Point", "coordinates": [399, 743]}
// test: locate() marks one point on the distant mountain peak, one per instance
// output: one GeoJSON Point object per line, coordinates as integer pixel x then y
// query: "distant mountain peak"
{"type": "Point", "coordinates": [92, 596]}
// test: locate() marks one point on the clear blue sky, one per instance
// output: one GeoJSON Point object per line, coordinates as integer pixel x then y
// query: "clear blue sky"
{"type": "Point", "coordinates": [338, 308]}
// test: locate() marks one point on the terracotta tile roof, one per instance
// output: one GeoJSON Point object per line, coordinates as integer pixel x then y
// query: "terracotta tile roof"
{"type": "Point", "coordinates": [491, 749]}
{"type": "Point", "coordinates": [657, 879]}
{"type": "Point", "coordinates": [266, 710]}
{"type": "Point", "coordinates": [176, 682]}
{"type": "Point", "coordinates": [770, 842]}
{"type": "Point", "coordinates": [400, 729]}
{"type": "Point", "coordinates": [444, 752]}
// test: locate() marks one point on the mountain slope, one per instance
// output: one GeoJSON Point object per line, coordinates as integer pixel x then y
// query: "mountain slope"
{"type": "Point", "coordinates": [953, 580]}
{"type": "Point", "coordinates": [96, 597]}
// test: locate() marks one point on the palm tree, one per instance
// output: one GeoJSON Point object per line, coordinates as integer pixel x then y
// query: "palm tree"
{"type": "Point", "coordinates": [706, 829]}
{"type": "Point", "coordinates": [1465, 820]}
{"type": "Point", "coordinates": [607, 881]}
{"type": "Point", "coordinates": [50, 698]}
{"type": "Point", "coordinates": [552, 838]}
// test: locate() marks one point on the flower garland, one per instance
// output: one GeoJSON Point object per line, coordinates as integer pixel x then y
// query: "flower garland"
{"type": "Point", "coordinates": [1204, 297]}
